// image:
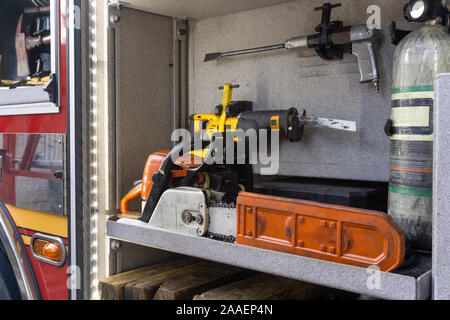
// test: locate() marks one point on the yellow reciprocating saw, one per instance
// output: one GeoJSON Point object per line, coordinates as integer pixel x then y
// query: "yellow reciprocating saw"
{"type": "Point", "coordinates": [233, 115]}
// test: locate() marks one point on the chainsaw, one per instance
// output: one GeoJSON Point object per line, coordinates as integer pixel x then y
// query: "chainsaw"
{"type": "Point", "coordinates": [190, 195]}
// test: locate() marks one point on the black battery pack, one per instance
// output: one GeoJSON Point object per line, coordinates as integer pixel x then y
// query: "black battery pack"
{"type": "Point", "coordinates": [364, 195]}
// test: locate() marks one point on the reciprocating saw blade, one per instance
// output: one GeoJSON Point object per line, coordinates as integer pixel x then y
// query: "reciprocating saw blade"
{"type": "Point", "coordinates": [335, 124]}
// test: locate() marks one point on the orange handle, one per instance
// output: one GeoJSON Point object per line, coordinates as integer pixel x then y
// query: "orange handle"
{"type": "Point", "coordinates": [134, 193]}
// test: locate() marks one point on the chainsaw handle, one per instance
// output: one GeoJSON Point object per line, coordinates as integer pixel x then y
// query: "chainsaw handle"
{"type": "Point", "coordinates": [134, 193]}
{"type": "Point", "coordinates": [161, 180]}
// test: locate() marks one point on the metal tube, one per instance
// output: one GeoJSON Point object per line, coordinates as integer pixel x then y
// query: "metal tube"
{"type": "Point", "coordinates": [253, 50]}
{"type": "Point", "coordinates": [219, 55]}
{"type": "Point", "coordinates": [297, 43]}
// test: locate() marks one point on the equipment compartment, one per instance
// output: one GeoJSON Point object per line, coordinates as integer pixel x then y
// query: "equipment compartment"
{"type": "Point", "coordinates": [156, 78]}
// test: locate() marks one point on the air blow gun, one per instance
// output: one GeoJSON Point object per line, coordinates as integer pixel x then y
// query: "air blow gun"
{"type": "Point", "coordinates": [330, 43]}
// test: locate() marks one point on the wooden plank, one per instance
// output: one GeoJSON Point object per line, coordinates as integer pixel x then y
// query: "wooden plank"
{"type": "Point", "coordinates": [263, 287]}
{"type": "Point", "coordinates": [112, 288]}
{"type": "Point", "coordinates": [146, 288]}
{"type": "Point", "coordinates": [186, 287]}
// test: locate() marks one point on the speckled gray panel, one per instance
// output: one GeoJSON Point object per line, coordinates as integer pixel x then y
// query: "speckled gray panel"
{"type": "Point", "coordinates": [199, 9]}
{"type": "Point", "coordinates": [441, 190]}
{"type": "Point", "coordinates": [279, 80]}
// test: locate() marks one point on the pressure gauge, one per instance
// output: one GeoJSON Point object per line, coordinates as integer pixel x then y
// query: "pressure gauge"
{"type": "Point", "coordinates": [418, 9]}
{"type": "Point", "coordinates": [424, 10]}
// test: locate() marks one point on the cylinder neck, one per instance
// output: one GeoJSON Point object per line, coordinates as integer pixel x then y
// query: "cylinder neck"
{"type": "Point", "coordinates": [435, 22]}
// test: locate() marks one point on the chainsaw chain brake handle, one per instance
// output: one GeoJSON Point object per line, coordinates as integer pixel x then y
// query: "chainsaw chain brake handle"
{"type": "Point", "coordinates": [161, 180]}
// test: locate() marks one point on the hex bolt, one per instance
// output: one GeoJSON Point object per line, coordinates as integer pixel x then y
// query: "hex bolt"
{"type": "Point", "coordinates": [198, 219]}
{"type": "Point", "coordinates": [301, 219]}
{"type": "Point", "coordinates": [248, 210]}
{"type": "Point", "coordinates": [323, 247]}
{"type": "Point", "coordinates": [332, 250]}
{"type": "Point", "coordinates": [187, 217]}
{"type": "Point", "coordinates": [115, 245]}
{"type": "Point", "coordinates": [114, 19]}
{"type": "Point", "coordinates": [300, 243]}
{"type": "Point", "coordinates": [248, 233]}
{"type": "Point", "coordinates": [332, 225]}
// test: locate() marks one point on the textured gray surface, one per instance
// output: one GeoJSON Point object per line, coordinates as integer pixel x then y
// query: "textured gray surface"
{"type": "Point", "coordinates": [131, 256]}
{"type": "Point", "coordinates": [199, 9]}
{"type": "Point", "coordinates": [349, 278]}
{"type": "Point", "coordinates": [280, 80]}
{"type": "Point", "coordinates": [143, 91]}
{"type": "Point", "coordinates": [441, 190]}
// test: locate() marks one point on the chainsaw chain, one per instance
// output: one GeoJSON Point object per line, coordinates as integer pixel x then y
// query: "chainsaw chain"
{"type": "Point", "coordinates": [213, 204]}
{"type": "Point", "coordinates": [218, 236]}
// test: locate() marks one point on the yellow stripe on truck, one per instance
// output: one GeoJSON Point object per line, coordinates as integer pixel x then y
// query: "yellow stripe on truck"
{"type": "Point", "coordinates": [26, 240]}
{"type": "Point", "coordinates": [39, 221]}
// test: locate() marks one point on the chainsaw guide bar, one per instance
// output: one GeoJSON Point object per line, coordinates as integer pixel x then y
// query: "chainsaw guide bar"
{"type": "Point", "coordinates": [352, 236]}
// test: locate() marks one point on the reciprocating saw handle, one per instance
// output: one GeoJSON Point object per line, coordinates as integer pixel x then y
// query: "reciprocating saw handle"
{"type": "Point", "coordinates": [286, 121]}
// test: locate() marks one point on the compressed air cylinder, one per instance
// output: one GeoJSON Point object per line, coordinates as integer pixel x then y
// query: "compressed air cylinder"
{"type": "Point", "coordinates": [418, 59]}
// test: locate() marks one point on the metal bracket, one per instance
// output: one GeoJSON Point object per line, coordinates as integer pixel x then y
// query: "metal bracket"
{"type": "Point", "coordinates": [114, 8]}
{"type": "Point", "coordinates": [182, 28]}
{"type": "Point", "coordinates": [52, 88]}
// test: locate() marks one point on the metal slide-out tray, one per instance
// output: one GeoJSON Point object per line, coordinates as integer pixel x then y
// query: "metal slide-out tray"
{"type": "Point", "coordinates": [405, 284]}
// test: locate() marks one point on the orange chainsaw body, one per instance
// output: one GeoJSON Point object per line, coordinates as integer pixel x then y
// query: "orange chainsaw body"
{"type": "Point", "coordinates": [154, 162]}
{"type": "Point", "coordinates": [334, 233]}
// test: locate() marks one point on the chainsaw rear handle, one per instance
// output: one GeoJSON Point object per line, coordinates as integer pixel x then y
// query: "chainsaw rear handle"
{"type": "Point", "coordinates": [133, 194]}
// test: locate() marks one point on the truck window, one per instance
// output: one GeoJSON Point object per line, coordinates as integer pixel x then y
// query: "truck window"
{"type": "Point", "coordinates": [31, 171]}
{"type": "Point", "coordinates": [28, 57]}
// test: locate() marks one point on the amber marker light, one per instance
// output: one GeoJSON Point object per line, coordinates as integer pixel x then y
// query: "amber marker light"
{"type": "Point", "coordinates": [48, 249]}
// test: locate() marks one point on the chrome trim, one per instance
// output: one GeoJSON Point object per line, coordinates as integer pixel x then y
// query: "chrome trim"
{"type": "Point", "coordinates": [58, 240]}
{"type": "Point", "coordinates": [72, 141]}
{"type": "Point", "coordinates": [18, 257]}
{"type": "Point", "coordinates": [29, 108]}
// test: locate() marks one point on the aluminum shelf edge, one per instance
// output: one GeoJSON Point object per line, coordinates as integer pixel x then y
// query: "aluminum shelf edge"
{"type": "Point", "coordinates": [349, 278]}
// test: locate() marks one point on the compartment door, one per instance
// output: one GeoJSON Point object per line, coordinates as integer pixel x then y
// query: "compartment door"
{"type": "Point", "coordinates": [143, 75]}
